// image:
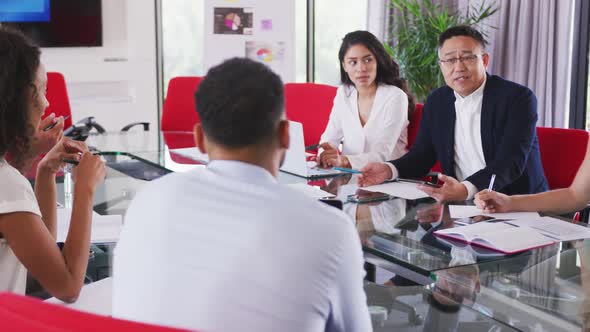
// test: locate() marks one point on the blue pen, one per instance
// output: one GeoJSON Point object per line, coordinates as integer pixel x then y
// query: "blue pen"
{"type": "Point", "coordinates": [347, 170]}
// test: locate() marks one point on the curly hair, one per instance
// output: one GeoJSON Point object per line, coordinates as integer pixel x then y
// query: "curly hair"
{"type": "Point", "coordinates": [19, 62]}
{"type": "Point", "coordinates": [388, 71]}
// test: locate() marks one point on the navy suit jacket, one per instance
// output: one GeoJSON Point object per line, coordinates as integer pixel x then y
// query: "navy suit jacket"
{"type": "Point", "coordinates": [508, 137]}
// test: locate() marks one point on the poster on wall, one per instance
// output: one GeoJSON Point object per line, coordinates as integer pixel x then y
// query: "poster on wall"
{"type": "Point", "coordinates": [232, 21]}
{"type": "Point", "coordinates": [262, 30]}
{"type": "Point", "coordinates": [271, 54]}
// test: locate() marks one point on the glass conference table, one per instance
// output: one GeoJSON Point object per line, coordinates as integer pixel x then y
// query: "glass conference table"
{"type": "Point", "coordinates": [438, 285]}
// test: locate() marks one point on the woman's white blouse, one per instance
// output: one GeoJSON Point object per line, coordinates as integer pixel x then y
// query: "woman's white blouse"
{"type": "Point", "coordinates": [16, 195]}
{"type": "Point", "coordinates": [384, 136]}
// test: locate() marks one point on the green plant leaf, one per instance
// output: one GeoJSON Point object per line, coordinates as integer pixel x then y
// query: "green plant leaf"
{"type": "Point", "coordinates": [415, 34]}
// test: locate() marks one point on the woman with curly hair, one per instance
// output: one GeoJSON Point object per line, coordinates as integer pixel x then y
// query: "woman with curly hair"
{"type": "Point", "coordinates": [28, 221]}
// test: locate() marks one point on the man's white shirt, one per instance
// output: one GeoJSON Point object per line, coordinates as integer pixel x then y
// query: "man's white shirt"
{"type": "Point", "coordinates": [469, 156]}
{"type": "Point", "coordinates": [226, 248]}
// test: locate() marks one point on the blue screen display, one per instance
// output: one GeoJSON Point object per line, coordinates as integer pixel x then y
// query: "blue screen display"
{"type": "Point", "coordinates": [25, 11]}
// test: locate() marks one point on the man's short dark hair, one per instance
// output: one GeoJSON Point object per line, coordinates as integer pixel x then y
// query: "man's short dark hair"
{"type": "Point", "coordinates": [240, 103]}
{"type": "Point", "coordinates": [462, 30]}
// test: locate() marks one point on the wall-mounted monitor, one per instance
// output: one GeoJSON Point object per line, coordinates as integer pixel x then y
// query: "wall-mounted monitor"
{"type": "Point", "coordinates": [56, 23]}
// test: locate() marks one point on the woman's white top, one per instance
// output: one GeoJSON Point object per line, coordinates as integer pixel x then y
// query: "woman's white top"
{"type": "Point", "coordinates": [385, 134]}
{"type": "Point", "coordinates": [16, 195]}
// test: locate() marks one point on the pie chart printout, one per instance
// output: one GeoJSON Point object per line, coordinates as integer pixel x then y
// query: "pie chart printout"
{"type": "Point", "coordinates": [232, 21]}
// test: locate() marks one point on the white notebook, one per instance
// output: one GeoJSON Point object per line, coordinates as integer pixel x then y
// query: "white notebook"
{"type": "Point", "coordinates": [498, 236]}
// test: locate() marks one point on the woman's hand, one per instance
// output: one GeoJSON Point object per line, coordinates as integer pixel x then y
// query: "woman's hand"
{"type": "Point", "coordinates": [89, 173]}
{"type": "Point", "coordinates": [493, 202]}
{"type": "Point", "coordinates": [331, 157]}
{"type": "Point", "coordinates": [44, 141]}
{"type": "Point", "coordinates": [66, 148]}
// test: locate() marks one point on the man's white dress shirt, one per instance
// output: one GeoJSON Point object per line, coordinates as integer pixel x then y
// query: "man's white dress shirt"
{"type": "Point", "coordinates": [385, 134]}
{"type": "Point", "coordinates": [227, 248]}
{"type": "Point", "coordinates": [469, 156]}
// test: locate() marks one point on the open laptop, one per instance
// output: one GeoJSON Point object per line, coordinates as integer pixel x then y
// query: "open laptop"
{"type": "Point", "coordinates": [296, 161]}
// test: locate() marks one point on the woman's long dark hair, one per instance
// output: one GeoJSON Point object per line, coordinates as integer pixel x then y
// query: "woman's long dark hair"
{"type": "Point", "coordinates": [387, 69]}
{"type": "Point", "coordinates": [19, 62]}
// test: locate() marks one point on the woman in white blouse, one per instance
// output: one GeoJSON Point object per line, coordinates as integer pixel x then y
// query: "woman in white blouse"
{"type": "Point", "coordinates": [370, 112]}
{"type": "Point", "coordinates": [28, 224]}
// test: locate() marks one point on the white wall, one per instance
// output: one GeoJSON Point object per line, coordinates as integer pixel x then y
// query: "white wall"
{"type": "Point", "coordinates": [115, 83]}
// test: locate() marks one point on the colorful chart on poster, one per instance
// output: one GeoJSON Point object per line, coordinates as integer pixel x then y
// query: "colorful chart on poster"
{"type": "Point", "coordinates": [264, 55]}
{"type": "Point", "coordinates": [232, 21]}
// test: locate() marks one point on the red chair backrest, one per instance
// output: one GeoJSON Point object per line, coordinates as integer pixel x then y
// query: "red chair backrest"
{"type": "Point", "coordinates": [562, 153]}
{"type": "Point", "coordinates": [413, 128]}
{"type": "Point", "coordinates": [57, 95]}
{"type": "Point", "coordinates": [310, 104]}
{"type": "Point", "coordinates": [21, 313]}
{"type": "Point", "coordinates": [180, 112]}
{"type": "Point", "coordinates": [178, 140]}
{"type": "Point", "coordinates": [414, 124]}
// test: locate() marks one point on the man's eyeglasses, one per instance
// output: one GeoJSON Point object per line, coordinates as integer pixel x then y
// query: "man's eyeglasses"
{"type": "Point", "coordinates": [467, 60]}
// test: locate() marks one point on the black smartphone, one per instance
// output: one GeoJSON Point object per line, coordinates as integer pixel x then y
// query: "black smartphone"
{"type": "Point", "coordinates": [332, 202]}
{"type": "Point", "coordinates": [426, 183]}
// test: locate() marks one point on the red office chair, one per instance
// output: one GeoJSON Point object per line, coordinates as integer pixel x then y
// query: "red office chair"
{"type": "Point", "coordinates": [310, 104]}
{"type": "Point", "coordinates": [562, 153]}
{"type": "Point", "coordinates": [178, 140]}
{"type": "Point", "coordinates": [414, 124]}
{"type": "Point", "coordinates": [57, 95]}
{"type": "Point", "coordinates": [413, 133]}
{"type": "Point", "coordinates": [180, 112]}
{"type": "Point", "coordinates": [21, 313]}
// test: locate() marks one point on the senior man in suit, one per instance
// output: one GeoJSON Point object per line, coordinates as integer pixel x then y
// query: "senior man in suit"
{"type": "Point", "coordinates": [477, 126]}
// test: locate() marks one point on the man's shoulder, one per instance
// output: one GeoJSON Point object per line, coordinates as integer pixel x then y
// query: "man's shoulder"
{"type": "Point", "coordinates": [440, 94]}
{"type": "Point", "coordinates": [168, 186]}
{"type": "Point", "coordinates": [501, 85]}
{"type": "Point", "coordinates": [312, 211]}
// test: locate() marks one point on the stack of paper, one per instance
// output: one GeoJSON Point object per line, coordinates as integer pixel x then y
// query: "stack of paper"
{"type": "Point", "coordinates": [555, 228]}
{"type": "Point", "coordinates": [467, 211]}
{"type": "Point", "coordinates": [105, 229]}
{"type": "Point", "coordinates": [398, 189]}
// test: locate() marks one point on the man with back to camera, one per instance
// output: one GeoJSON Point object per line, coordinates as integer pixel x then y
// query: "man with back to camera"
{"type": "Point", "coordinates": [477, 126]}
{"type": "Point", "coordinates": [236, 250]}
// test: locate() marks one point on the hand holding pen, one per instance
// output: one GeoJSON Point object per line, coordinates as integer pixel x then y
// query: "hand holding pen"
{"type": "Point", "coordinates": [49, 132]}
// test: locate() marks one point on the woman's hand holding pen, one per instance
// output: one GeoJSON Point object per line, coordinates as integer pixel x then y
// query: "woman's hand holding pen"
{"type": "Point", "coordinates": [493, 202]}
{"type": "Point", "coordinates": [45, 139]}
{"type": "Point", "coordinates": [331, 157]}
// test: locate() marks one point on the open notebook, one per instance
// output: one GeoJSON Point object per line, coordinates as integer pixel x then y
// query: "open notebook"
{"type": "Point", "coordinates": [498, 236]}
